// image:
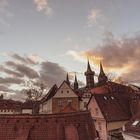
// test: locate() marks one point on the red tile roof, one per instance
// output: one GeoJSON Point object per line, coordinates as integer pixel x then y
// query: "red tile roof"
{"type": "Point", "coordinates": [74, 126]}
{"type": "Point", "coordinates": [9, 104]}
{"type": "Point", "coordinates": [110, 108]}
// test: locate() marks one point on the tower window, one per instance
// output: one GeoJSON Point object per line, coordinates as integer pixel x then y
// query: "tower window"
{"type": "Point", "coordinates": [96, 111]}
{"type": "Point", "coordinates": [60, 103]}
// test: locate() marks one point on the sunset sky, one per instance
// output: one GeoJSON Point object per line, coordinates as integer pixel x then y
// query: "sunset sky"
{"type": "Point", "coordinates": [44, 39]}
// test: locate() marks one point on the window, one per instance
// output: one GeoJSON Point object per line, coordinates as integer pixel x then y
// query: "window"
{"type": "Point", "coordinates": [96, 111]}
{"type": "Point", "coordinates": [60, 103]}
{"type": "Point", "coordinates": [85, 104]}
{"type": "Point", "coordinates": [61, 91]}
{"type": "Point", "coordinates": [135, 122]}
{"type": "Point", "coordinates": [67, 91]}
{"type": "Point", "coordinates": [105, 97]}
{"type": "Point", "coordinates": [112, 97]}
{"type": "Point", "coordinates": [99, 126]}
{"type": "Point", "coordinates": [69, 101]}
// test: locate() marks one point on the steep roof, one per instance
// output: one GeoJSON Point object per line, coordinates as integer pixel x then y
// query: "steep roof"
{"type": "Point", "coordinates": [110, 108]}
{"type": "Point", "coordinates": [76, 126]}
{"type": "Point", "coordinates": [133, 126]}
{"type": "Point", "coordinates": [50, 94]}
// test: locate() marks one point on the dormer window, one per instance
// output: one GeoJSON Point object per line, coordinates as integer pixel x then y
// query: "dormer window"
{"type": "Point", "coordinates": [105, 97]}
{"type": "Point", "coordinates": [112, 97]}
{"type": "Point", "coordinates": [96, 111]}
{"type": "Point", "coordinates": [135, 122]}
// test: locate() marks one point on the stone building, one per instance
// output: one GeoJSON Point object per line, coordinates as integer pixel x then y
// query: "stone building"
{"type": "Point", "coordinates": [58, 98]}
{"type": "Point", "coordinates": [64, 126]}
{"type": "Point", "coordinates": [8, 106]}
{"type": "Point", "coordinates": [108, 114]}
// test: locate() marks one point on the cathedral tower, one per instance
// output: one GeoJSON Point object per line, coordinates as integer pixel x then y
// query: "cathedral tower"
{"type": "Point", "coordinates": [89, 76]}
{"type": "Point", "coordinates": [76, 85]}
{"type": "Point", "coordinates": [102, 78]}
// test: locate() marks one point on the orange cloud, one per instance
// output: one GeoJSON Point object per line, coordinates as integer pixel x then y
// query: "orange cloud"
{"type": "Point", "coordinates": [119, 56]}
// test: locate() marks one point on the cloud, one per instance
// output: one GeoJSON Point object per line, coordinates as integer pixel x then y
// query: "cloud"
{"type": "Point", "coordinates": [11, 72]}
{"type": "Point", "coordinates": [3, 4]}
{"type": "Point", "coordinates": [52, 73]}
{"type": "Point", "coordinates": [43, 6]}
{"type": "Point", "coordinates": [5, 14]}
{"type": "Point", "coordinates": [96, 18]}
{"type": "Point", "coordinates": [27, 59]}
{"type": "Point", "coordinates": [19, 69]}
{"type": "Point", "coordinates": [9, 80]}
{"type": "Point", "coordinates": [121, 56]}
{"type": "Point", "coordinates": [27, 71]}
{"type": "Point", "coordinates": [93, 17]}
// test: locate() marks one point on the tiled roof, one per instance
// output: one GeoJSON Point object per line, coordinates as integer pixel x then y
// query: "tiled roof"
{"type": "Point", "coordinates": [50, 94]}
{"type": "Point", "coordinates": [9, 104]}
{"type": "Point", "coordinates": [133, 126]}
{"type": "Point", "coordinates": [110, 108]}
{"type": "Point", "coordinates": [68, 126]}
{"type": "Point", "coordinates": [111, 87]}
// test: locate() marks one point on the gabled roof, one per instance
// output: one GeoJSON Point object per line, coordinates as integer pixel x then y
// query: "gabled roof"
{"type": "Point", "coordinates": [110, 108]}
{"type": "Point", "coordinates": [64, 82]}
{"type": "Point", "coordinates": [50, 94]}
{"type": "Point", "coordinates": [133, 126]}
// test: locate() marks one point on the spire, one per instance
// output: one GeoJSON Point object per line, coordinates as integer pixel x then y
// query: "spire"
{"type": "Point", "coordinates": [89, 76]}
{"type": "Point", "coordinates": [76, 85]}
{"type": "Point", "coordinates": [101, 69]}
{"type": "Point", "coordinates": [102, 77]}
{"type": "Point", "coordinates": [67, 79]}
{"type": "Point", "coordinates": [88, 66]}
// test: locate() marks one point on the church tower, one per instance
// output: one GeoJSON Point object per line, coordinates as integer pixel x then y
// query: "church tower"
{"type": "Point", "coordinates": [76, 85]}
{"type": "Point", "coordinates": [102, 78]}
{"type": "Point", "coordinates": [89, 76]}
{"type": "Point", "coordinates": [67, 79]}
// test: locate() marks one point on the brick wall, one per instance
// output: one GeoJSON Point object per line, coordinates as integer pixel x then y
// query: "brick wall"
{"type": "Point", "coordinates": [59, 103]}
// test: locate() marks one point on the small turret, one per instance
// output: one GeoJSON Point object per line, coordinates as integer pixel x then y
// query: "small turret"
{"type": "Point", "coordinates": [67, 79]}
{"type": "Point", "coordinates": [76, 85]}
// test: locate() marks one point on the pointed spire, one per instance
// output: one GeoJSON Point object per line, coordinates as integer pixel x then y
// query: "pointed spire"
{"type": "Point", "coordinates": [89, 76]}
{"type": "Point", "coordinates": [76, 85]}
{"type": "Point", "coordinates": [76, 79]}
{"type": "Point", "coordinates": [67, 79]}
{"type": "Point", "coordinates": [88, 66]}
{"type": "Point", "coordinates": [101, 69]}
{"type": "Point", "coordinates": [102, 77]}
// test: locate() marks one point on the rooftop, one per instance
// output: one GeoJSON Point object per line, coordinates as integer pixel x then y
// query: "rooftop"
{"type": "Point", "coordinates": [76, 126]}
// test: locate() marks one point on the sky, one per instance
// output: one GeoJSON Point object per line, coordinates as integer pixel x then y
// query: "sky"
{"type": "Point", "coordinates": [42, 40]}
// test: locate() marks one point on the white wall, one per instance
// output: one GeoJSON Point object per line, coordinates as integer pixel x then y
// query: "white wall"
{"type": "Point", "coordinates": [65, 91]}
{"type": "Point", "coordinates": [9, 111]}
{"type": "Point", "coordinates": [27, 111]}
{"type": "Point", "coordinates": [129, 137]}
{"type": "Point", "coordinates": [46, 107]}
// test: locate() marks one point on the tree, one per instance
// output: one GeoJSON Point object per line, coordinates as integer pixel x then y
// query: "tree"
{"type": "Point", "coordinates": [35, 90]}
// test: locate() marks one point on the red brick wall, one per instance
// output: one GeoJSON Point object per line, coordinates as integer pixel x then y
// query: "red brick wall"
{"type": "Point", "coordinates": [57, 107]}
